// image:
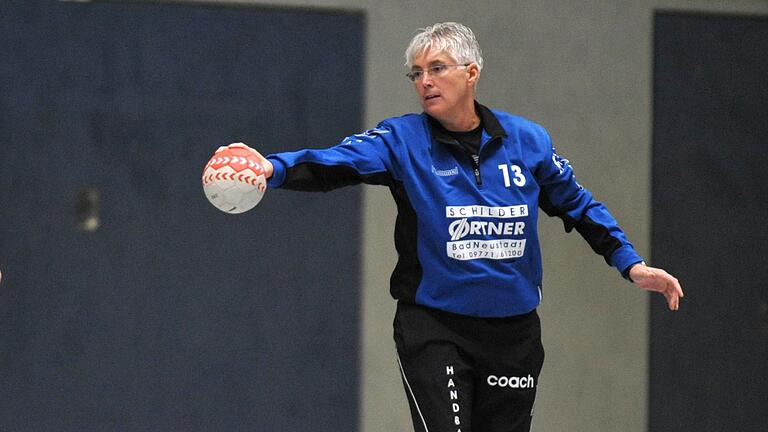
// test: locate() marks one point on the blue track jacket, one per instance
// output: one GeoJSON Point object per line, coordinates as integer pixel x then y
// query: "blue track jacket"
{"type": "Point", "coordinates": [466, 227]}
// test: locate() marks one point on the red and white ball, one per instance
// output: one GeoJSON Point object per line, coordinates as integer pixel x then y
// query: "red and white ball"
{"type": "Point", "coordinates": [233, 180]}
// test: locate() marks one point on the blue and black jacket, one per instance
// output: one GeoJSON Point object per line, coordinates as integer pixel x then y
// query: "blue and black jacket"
{"type": "Point", "coordinates": [466, 227]}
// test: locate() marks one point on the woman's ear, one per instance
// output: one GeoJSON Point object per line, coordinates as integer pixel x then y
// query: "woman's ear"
{"type": "Point", "coordinates": [474, 73]}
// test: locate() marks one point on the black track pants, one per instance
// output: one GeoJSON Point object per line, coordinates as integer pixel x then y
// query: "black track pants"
{"type": "Point", "coordinates": [468, 374]}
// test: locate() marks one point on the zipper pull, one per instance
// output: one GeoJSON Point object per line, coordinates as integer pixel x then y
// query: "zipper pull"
{"type": "Point", "coordinates": [476, 168]}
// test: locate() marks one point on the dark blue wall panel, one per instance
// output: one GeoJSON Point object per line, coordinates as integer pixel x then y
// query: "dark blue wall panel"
{"type": "Point", "coordinates": [173, 315]}
{"type": "Point", "coordinates": [709, 360]}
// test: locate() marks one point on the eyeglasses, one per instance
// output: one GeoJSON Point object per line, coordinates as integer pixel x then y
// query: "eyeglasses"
{"type": "Point", "coordinates": [437, 70]}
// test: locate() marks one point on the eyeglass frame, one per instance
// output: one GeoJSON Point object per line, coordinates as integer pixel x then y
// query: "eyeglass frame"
{"type": "Point", "coordinates": [412, 75]}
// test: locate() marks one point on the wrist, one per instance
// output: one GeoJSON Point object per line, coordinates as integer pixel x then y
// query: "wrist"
{"type": "Point", "coordinates": [628, 272]}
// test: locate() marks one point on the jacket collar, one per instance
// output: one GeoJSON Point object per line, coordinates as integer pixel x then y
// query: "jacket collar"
{"type": "Point", "coordinates": [490, 124]}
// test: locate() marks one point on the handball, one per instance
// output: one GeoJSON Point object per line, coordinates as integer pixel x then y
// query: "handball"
{"type": "Point", "coordinates": [233, 180]}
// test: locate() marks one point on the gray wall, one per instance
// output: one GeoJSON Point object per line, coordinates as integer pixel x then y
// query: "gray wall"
{"type": "Point", "coordinates": [582, 69]}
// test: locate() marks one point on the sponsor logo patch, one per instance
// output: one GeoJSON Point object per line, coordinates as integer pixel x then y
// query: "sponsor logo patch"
{"type": "Point", "coordinates": [495, 240]}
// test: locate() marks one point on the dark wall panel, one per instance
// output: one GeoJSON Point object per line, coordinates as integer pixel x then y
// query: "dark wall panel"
{"type": "Point", "coordinates": [173, 315]}
{"type": "Point", "coordinates": [709, 361]}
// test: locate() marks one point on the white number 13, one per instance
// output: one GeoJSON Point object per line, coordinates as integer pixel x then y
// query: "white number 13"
{"type": "Point", "coordinates": [519, 179]}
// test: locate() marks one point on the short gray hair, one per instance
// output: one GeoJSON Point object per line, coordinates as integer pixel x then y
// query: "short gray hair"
{"type": "Point", "coordinates": [454, 38]}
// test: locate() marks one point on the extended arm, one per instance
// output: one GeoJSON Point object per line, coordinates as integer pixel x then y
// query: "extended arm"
{"type": "Point", "coordinates": [360, 158]}
{"type": "Point", "coordinates": [562, 196]}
